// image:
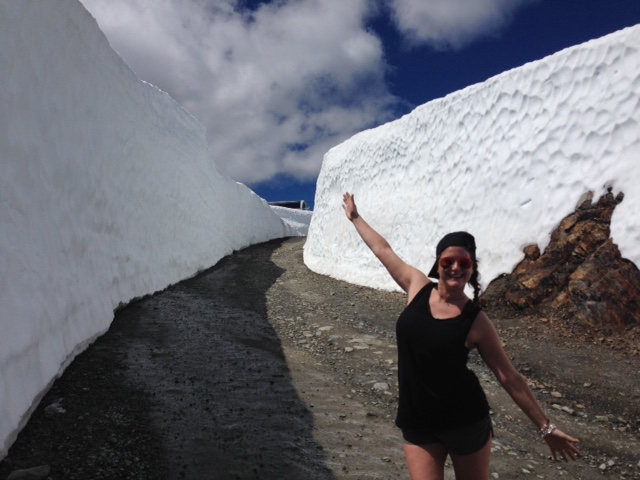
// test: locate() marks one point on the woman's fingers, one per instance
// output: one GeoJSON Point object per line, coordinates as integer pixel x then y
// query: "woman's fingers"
{"type": "Point", "coordinates": [562, 445]}
{"type": "Point", "coordinates": [569, 454]}
{"type": "Point", "coordinates": [348, 205]}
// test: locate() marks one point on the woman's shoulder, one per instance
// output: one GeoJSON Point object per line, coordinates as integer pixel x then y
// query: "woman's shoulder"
{"type": "Point", "coordinates": [420, 291]}
{"type": "Point", "coordinates": [473, 309]}
{"type": "Point", "coordinates": [483, 331]}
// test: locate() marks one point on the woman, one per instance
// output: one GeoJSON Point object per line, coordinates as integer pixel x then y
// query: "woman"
{"type": "Point", "coordinates": [442, 409]}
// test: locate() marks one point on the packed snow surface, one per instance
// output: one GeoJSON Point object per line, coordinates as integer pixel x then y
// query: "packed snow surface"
{"type": "Point", "coordinates": [506, 160]}
{"type": "Point", "coordinates": [297, 220]}
{"type": "Point", "coordinates": [107, 193]}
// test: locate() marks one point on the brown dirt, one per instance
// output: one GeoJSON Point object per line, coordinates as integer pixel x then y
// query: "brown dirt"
{"type": "Point", "coordinates": [259, 368]}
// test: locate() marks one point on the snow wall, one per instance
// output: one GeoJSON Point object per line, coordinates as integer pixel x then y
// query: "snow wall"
{"type": "Point", "coordinates": [506, 160]}
{"type": "Point", "coordinates": [297, 220]}
{"type": "Point", "coordinates": [107, 193]}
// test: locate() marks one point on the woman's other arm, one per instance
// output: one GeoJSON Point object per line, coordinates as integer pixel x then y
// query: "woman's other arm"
{"type": "Point", "coordinates": [484, 336]}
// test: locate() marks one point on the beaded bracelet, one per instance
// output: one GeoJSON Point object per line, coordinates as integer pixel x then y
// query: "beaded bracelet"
{"type": "Point", "coordinates": [548, 429]}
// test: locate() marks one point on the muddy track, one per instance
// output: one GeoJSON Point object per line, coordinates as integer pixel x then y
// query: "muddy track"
{"type": "Point", "coordinates": [259, 368]}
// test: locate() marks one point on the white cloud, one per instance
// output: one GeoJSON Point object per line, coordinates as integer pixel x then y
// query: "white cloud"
{"type": "Point", "coordinates": [451, 23]}
{"type": "Point", "coordinates": [275, 88]}
{"type": "Point", "coordinates": [278, 86]}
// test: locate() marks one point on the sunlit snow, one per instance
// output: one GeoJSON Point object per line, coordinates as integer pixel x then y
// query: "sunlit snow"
{"type": "Point", "coordinates": [506, 160]}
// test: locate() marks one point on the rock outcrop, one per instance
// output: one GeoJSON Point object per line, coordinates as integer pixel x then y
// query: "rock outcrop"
{"type": "Point", "coordinates": [580, 278]}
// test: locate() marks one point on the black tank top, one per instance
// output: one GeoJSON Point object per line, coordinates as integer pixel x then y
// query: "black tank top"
{"type": "Point", "coordinates": [437, 391]}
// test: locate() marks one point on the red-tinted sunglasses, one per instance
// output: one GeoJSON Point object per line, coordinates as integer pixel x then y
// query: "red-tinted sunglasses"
{"type": "Point", "coordinates": [464, 263]}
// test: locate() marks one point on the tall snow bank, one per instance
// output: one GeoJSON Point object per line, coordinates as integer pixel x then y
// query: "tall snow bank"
{"type": "Point", "coordinates": [506, 160]}
{"type": "Point", "coordinates": [107, 193]}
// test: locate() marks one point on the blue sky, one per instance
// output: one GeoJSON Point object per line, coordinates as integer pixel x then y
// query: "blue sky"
{"type": "Point", "coordinates": [278, 83]}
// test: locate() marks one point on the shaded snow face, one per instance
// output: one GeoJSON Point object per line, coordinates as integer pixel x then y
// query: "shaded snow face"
{"type": "Point", "coordinates": [107, 193]}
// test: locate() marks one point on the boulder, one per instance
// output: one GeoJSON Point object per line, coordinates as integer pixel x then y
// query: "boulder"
{"type": "Point", "coordinates": [581, 276]}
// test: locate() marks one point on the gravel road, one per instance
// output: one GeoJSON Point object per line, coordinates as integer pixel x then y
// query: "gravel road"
{"type": "Point", "coordinates": [260, 369]}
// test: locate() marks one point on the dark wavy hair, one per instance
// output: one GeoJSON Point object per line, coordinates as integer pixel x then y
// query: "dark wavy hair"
{"type": "Point", "coordinates": [475, 281]}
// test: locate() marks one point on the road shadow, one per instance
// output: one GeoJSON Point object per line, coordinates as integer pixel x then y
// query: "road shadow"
{"type": "Point", "coordinates": [188, 383]}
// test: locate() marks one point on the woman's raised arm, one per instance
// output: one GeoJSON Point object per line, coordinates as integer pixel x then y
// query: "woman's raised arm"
{"type": "Point", "coordinates": [409, 278]}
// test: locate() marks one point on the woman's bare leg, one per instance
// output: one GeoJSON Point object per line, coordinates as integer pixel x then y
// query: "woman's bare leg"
{"type": "Point", "coordinates": [425, 462]}
{"type": "Point", "coordinates": [474, 466]}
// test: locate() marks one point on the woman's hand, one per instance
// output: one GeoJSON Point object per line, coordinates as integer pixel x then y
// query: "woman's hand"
{"type": "Point", "coordinates": [562, 445]}
{"type": "Point", "coordinates": [349, 206]}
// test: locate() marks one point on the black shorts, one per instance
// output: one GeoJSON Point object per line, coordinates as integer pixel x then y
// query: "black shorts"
{"type": "Point", "coordinates": [460, 441]}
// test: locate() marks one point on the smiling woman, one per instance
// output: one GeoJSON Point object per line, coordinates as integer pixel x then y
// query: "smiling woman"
{"type": "Point", "coordinates": [442, 408]}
